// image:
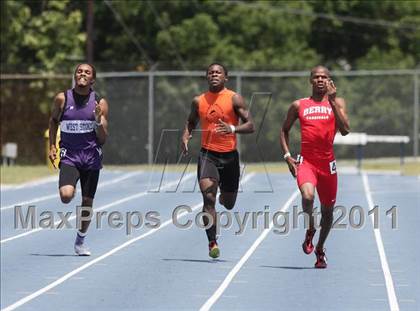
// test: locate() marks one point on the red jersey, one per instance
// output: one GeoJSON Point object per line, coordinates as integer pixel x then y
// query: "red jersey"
{"type": "Point", "coordinates": [211, 108]}
{"type": "Point", "coordinates": [318, 129]}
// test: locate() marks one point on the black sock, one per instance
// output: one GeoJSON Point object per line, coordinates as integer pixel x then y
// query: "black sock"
{"type": "Point", "coordinates": [211, 233]}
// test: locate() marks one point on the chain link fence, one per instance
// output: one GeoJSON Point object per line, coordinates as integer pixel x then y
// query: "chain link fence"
{"type": "Point", "coordinates": [148, 111]}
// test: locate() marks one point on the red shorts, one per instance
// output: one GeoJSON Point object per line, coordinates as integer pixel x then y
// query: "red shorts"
{"type": "Point", "coordinates": [323, 175]}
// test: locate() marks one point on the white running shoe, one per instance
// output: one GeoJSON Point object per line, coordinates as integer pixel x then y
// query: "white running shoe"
{"type": "Point", "coordinates": [81, 250]}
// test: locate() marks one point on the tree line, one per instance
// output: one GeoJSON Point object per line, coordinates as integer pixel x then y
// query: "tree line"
{"type": "Point", "coordinates": [50, 35]}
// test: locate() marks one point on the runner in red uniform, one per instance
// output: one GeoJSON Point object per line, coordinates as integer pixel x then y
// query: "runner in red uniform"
{"type": "Point", "coordinates": [320, 117]}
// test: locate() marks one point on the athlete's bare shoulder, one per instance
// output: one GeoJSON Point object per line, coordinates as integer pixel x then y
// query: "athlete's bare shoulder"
{"type": "Point", "coordinates": [195, 102]}
{"type": "Point", "coordinates": [60, 99]}
{"type": "Point", "coordinates": [196, 99]}
{"type": "Point", "coordinates": [58, 106]}
{"type": "Point", "coordinates": [292, 115]}
{"type": "Point", "coordinates": [295, 106]}
{"type": "Point", "coordinates": [238, 100]}
{"type": "Point", "coordinates": [194, 116]}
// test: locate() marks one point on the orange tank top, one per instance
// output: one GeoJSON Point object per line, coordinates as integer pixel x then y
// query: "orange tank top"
{"type": "Point", "coordinates": [211, 108]}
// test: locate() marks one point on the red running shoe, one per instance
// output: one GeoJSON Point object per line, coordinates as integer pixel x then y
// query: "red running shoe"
{"type": "Point", "coordinates": [307, 245]}
{"type": "Point", "coordinates": [321, 259]}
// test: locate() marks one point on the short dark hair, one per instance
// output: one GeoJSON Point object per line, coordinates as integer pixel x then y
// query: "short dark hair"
{"type": "Point", "coordinates": [91, 66]}
{"type": "Point", "coordinates": [320, 67]}
{"type": "Point", "coordinates": [218, 64]}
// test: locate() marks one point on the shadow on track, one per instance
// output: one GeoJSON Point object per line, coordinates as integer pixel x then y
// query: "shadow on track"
{"type": "Point", "coordinates": [288, 267]}
{"type": "Point", "coordinates": [195, 260]}
{"type": "Point", "coordinates": [55, 255]}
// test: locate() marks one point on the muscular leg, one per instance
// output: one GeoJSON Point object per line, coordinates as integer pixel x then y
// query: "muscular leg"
{"type": "Point", "coordinates": [68, 178]}
{"type": "Point", "coordinates": [86, 211]}
{"type": "Point", "coordinates": [208, 189]}
{"type": "Point", "coordinates": [229, 181]}
{"type": "Point", "coordinates": [67, 193]}
{"type": "Point", "coordinates": [88, 183]}
{"type": "Point", "coordinates": [327, 191]}
{"type": "Point", "coordinates": [326, 224]}
{"type": "Point", "coordinates": [308, 190]}
{"type": "Point", "coordinates": [228, 199]}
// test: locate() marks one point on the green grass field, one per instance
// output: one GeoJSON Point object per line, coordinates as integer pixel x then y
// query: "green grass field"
{"type": "Point", "coordinates": [19, 174]}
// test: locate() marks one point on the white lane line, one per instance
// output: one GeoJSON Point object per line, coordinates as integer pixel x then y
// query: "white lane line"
{"type": "Point", "coordinates": [103, 207]}
{"type": "Point", "coordinates": [33, 183]}
{"type": "Point", "coordinates": [100, 258]}
{"type": "Point", "coordinates": [392, 298]}
{"type": "Point", "coordinates": [37, 182]}
{"type": "Point", "coordinates": [408, 300]}
{"type": "Point", "coordinates": [29, 202]}
{"type": "Point", "coordinates": [211, 301]}
{"type": "Point", "coordinates": [55, 195]}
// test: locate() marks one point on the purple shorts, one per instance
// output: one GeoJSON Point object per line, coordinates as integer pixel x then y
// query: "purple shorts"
{"type": "Point", "coordinates": [85, 159]}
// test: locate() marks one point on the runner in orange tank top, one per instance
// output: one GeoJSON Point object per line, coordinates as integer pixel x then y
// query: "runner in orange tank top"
{"type": "Point", "coordinates": [219, 111]}
{"type": "Point", "coordinates": [320, 117]}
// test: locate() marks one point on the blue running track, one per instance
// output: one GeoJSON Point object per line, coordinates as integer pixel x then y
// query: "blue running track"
{"type": "Point", "coordinates": [168, 268]}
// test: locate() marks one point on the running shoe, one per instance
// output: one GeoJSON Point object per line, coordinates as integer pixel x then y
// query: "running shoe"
{"type": "Point", "coordinates": [307, 245]}
{"type": "Point", "coordinates": [321, 259]}
{"type": "Point", "coordinates": [214, 251]}
{"type": "Point", "coordinates": [81, 249]}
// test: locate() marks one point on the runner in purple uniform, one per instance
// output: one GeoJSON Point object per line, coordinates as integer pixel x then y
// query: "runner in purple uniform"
{"type": "Point", "coordinates": [82, 116]}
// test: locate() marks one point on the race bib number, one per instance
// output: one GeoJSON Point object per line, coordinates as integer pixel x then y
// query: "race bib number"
{"type": "Point", "coordinates": [63, 152]}
{"type": "Point", "coordinates": [333, 167]}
